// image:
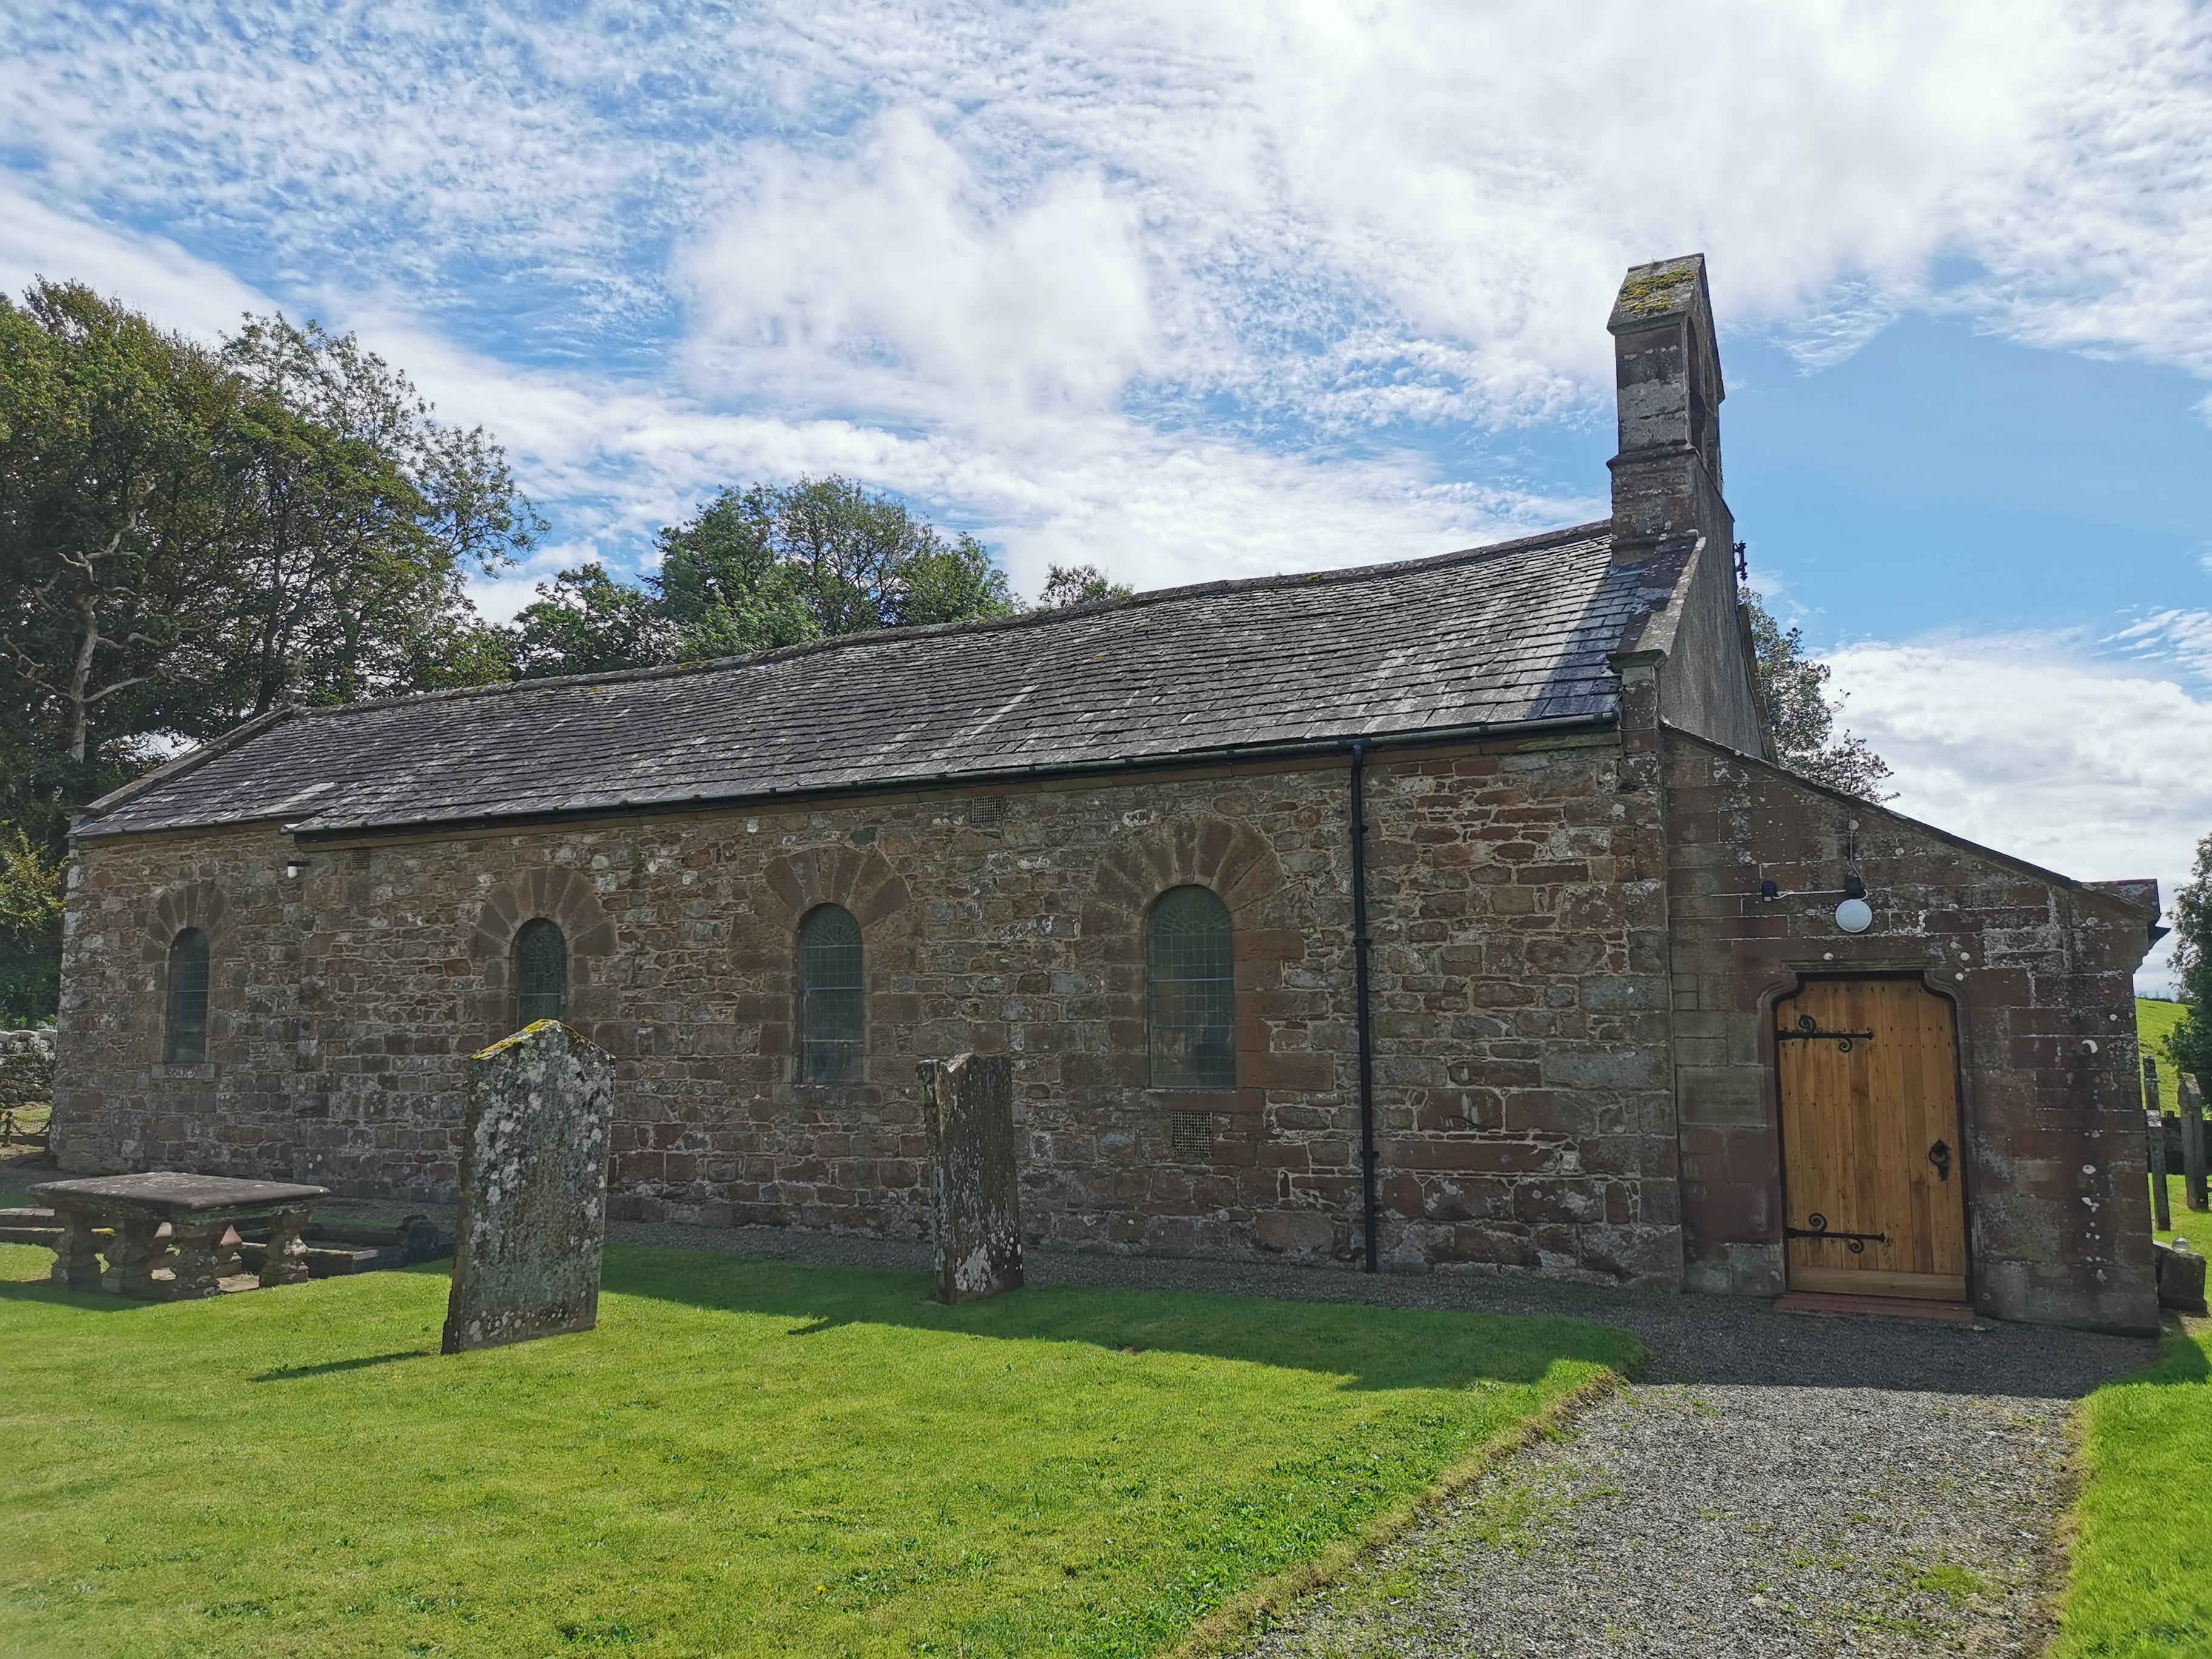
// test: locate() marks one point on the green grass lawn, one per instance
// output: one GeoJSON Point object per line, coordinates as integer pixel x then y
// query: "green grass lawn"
{"type": "Point", "coordinates": [2142, 1552]}
{"type": "Point", "coordinates": [2195, 1226]}
{"type": "Point", "coordinates": [745, 1458]}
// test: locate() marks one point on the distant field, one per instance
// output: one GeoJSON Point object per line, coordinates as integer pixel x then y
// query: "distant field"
{"type": "Point", "coordinates": [2155, 1021]}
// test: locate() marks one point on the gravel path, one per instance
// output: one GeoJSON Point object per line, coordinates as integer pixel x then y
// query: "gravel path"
{"type": "Point", "coordinates": [1737, 1522]}
{"type": "Point", "coordinates": [1773, 1486]}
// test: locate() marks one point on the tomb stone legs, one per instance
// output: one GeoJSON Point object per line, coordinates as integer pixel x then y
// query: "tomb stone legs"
{"type": "Point", "coordinates": [202, 1258]}
{"type": "Point", "coordinates": [76, 1253]}
{"type": "Point", "coordinates": [287, 1262]}
{"type": "Point", "coordinates": [132, 1258]}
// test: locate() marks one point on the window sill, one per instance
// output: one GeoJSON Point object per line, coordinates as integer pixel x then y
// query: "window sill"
{"type": "Point", "coordinates": [171, 1071]}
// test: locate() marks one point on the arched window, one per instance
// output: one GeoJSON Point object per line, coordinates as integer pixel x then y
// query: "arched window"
{"type": "Point", "coordinates": [1193, 1013]}
{"type": "Point", "coordinates": [830, 1025]}
{"type": "Point", "coordinates": [184, 1042]}
{"type": "Point", "coordinates": [541, 973]}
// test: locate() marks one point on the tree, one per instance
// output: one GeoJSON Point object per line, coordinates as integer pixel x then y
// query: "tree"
{"type": "Point", "coordinates": [2190, 1041]}
{"type": "Point", "coordinates": [190, 535]}
{"type": "Point", "coordinates": [587, 623]}
{"type": "Point", "coordinates": [30, 927]}
{"type": "Point", "coordinates": [109, 500]}
{"type": "Point", "coordinates": [772, 565]}
{"type": "Point", "coordinates": [723, 585]}
{"type": "Point", "coordinates": [356, 517]}
{"type": "Point", "coordinates": [1793, 688]}
{"type": "Point", "coordinates": [1077, 584]}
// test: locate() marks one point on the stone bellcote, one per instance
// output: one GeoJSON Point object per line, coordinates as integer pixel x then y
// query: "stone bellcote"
{"type": "Point", "coordinates": [1667, 477]}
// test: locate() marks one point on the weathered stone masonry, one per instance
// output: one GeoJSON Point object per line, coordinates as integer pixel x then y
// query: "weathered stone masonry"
{"type": "Point", "coordinates": [1522, 1095]}
{"type": "Point", "coordinates": [2038, 970]}
{"type": "Point", "coordinates": [1574, 968]}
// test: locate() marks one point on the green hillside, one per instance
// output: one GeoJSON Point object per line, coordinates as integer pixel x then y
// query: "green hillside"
{"type": "Point", "coordinates": [2155, 1021]}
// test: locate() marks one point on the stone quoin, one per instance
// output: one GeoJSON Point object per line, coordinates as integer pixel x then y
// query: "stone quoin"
{"type": "Point", "coordinates": [768, 889]}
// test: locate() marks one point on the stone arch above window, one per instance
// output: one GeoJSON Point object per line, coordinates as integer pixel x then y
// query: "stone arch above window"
{"type": "Point", "coordinates": [767, 952]}
{"type": "Point", "coordinates": [541, 972]}
{"type": "Point", "coordinates": [197, 909]}
{"type": "Point", "coordinates": [1190, 1010]}
{"type": "Point", "coordinates": [565, 899]}
{"type": "Point", "coordinates": [832, 996]}
{"type": "Point", "coordinates": [184, 1032]}
{"type": "Point", "coordinates": [1232, 861]}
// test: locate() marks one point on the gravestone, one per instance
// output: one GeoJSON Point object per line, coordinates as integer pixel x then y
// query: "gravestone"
{"type": "Point", "coordinates": [974, 1177]}
{"type": "Point", "coordinates": [2161, 1210]}
{"type": "Point", "coordinates": [533, 1189]}
{"type": "Point", "coordinates": [2193, 1144]}
{"type": "Point", "coordinates": [2180, 1274]}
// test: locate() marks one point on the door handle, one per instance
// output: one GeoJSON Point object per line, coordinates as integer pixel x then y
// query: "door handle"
{"type": "Point", "coordinates": [1940, 1156]}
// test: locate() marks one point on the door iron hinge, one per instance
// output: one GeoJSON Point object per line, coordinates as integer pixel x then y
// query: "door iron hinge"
{"type": "Point", "coordinates": [1856, 1242]}
{"type": "Point", "coordinates": [1809, 1030]}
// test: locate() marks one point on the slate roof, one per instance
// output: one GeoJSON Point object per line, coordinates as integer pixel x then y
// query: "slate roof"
{"type": "Point", "coordinates": [1506, 634]}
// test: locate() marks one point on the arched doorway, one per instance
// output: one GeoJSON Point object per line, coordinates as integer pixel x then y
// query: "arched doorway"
{"type": "Point", "coordinates": [1874, 1180]}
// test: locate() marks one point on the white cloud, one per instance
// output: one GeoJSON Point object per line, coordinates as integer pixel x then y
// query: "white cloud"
{"type": "Point", "coordinates": [900, 258]}
{"type": "Point", "coordinates": [2025, 746]}
{"type": "Point", "coordinates": [2171, 635]}
{"type": "Point", "coordinates": [1351, 211]}
{"type": "Point", "coordinates": [151, 273]}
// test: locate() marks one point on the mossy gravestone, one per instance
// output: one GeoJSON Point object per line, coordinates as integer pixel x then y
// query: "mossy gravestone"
{"type": "Point", "coordinates": [974, 1177]}
{"type": "Point", "coordinates": [533, 1189]}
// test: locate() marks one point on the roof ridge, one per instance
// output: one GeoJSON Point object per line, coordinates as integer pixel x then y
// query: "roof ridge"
{"type": "Point", "coordinates": [990, 624]}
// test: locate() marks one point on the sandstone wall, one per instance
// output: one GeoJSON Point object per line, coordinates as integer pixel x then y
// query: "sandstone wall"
{"type": "Point", "coordinates": [1522, 1060]}
{"type": "Point", "coordinates": [2040, 972]}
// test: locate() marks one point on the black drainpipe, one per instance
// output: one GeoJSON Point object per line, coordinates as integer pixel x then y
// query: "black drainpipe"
{"type": "Point", "coordinates": [1366, 1018]}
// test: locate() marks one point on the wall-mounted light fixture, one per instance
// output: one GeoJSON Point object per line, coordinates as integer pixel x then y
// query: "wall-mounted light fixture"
{"type": "Point", "coordinates": [294, 868]}
{"type": "Point", "coordinates": [1854, 914]}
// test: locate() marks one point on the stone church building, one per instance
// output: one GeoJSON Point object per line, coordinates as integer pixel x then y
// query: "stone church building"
{"type": "Point", "coordinates": [1443, 915]}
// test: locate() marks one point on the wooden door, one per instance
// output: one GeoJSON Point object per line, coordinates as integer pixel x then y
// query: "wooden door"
{"type": "Point", "coordinates": [1873, 1177]}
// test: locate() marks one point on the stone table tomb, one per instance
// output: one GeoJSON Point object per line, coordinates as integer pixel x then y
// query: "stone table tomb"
{"type": "Point", "coordinates": [199, 1212]}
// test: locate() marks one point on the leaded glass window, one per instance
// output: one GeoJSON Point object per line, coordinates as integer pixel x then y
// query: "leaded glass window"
{"type": "Point", "coordinates": [541, 973]}
{"type": "Point", "coordinates": [186, 1042]}
{"type": "Point", "coordinates": [830, 1021]}
{"type": "Point", "coordinates": [1193, 1013]}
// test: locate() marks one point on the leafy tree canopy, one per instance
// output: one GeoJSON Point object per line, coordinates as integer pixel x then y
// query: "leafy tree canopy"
{"type": "Point", "coordinates": [2190, 1041]}
{"type": "Point", "coordinates": [1077, 584]}
{"type": "Point", "coordinates": [771, 565]}
{"type": "Point", "coordinates": [1793, 687]}
{"type": "Point", "coordinates": [759, 567]}
{"type": "Point", "coordinates": [585, 621]}
{"type": "Point", "coordinates": [190, 535]}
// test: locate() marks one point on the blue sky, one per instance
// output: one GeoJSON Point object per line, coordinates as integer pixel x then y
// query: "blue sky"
{"type": "Point", "coordinates": [1195, 291]}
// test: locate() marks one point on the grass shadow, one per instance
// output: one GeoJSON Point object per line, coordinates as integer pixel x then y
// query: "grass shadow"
{"type": "Point", "coordinates": [1376, 1347]}
{"type": "Point", "coordinates": [2184, 1357]}
{"type": "Point", "coordinates": [287, 1373]}
{"type": "Point", "coordinates": [33, 1290]}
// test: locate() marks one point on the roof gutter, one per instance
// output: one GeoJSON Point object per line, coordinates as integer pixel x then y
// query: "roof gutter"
{"type": "Point", "coordinates": [1233, 754]}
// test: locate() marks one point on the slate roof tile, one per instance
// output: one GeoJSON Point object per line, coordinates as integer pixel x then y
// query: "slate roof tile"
{"type": "Point", "coordinates": [1515, 633]}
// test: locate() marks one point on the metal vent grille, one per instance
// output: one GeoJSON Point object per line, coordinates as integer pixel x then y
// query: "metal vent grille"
{"type": "Point", "coordinates": [1191, 1133]}
{"type": "Point", "coordinates": [987, 811]}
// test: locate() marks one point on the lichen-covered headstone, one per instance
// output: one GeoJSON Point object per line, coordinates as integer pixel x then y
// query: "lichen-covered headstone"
{"type": "Point", "coordinates": [533, 1189]}
{"type": "Point", "coordinates": [974, 1176]}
